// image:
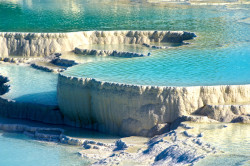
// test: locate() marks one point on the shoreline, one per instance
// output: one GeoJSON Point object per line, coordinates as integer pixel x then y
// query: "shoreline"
{"type": "Point", "coordinates": [126, 149]}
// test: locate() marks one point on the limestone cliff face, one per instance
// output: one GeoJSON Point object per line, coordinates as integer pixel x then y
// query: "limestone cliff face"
{"type": "Point", "coordinates": [43, 44]}
{"type": "Point", "coordinates": [134, 110]}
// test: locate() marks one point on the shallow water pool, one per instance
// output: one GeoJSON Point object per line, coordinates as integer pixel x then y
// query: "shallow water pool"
{"type": "Point", "coordinates": [30, 85]}
{"type": "Point", "coordinates": [17, 149]}
{"type": "Point", "coordinates": [179, 66]}
{"type": "Point", "coordinates": [232, 143]}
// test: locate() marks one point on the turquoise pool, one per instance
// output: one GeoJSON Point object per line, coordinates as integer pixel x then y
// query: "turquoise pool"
{"type": "Point", "coordinates": [30, 85]}
{"type": "Point", "coordinates": [232, 142]}
{"type": "Point", "coordinates": [17, 149]}
{"type": "Point", "coordinates": [180, 66]}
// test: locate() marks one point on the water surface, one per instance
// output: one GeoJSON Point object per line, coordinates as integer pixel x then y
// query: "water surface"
{"type": "Point", "coordinates": [17, 149]}
{"type": "Point", "coordinates": [219, 55]}
{"type": "Point", "coordinates": [30, 85]}
{"type": "Point", "coordinates": [232, 144]}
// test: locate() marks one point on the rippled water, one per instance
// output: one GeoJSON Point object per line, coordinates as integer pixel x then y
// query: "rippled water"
{"type": "Point", "coordinates": [30, 85]}
{"type": "Point", "coordinates": [76, 15]}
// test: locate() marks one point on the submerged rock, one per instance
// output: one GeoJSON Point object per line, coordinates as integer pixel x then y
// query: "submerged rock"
{"type": "Point", "coordinates": [155, 47]}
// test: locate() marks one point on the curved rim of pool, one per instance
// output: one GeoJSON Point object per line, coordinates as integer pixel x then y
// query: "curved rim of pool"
{"type": "Point", "coordinates": [139, 85]}
{"type": "Point", "coordinates": [60, 42]}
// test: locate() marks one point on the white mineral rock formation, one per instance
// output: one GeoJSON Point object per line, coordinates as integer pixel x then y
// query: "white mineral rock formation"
{"type": "Point", "coordinates": [182, 146]}
{"type": "Point", "coordinates": [44, 44]}
{"type": "Point", "coordinates": [135, 110]}
{"type": "Point", "coordinates": [31, 111]}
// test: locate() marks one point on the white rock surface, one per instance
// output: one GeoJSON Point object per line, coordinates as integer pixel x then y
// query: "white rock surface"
{"type": "Point", "coordinates": [44, 44]}
{"type": "Point", "coordinates": [134, 110]}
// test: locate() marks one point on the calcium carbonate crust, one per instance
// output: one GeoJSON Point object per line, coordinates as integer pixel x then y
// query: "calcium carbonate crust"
{"type": "Point", "coordinates": [44, 44]}
{"type": "Point", "coordinates": [4, 88]}
{"type": "Point", "coordinates": [134, 110]}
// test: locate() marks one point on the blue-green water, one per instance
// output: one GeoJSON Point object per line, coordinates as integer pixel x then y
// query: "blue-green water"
{"type": "Point", "coordinates": [77, 15]}
{"type": "Point", "coordinates": [17, 149]}
{"type": "Point", "coordinates": [30, 85]}
{"type": "Point", "coordinates": [219, 55]}
{"type": "Point", "coordinates": [189, 65]}
{"type": "Point", "coordinates": [232, 144]}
